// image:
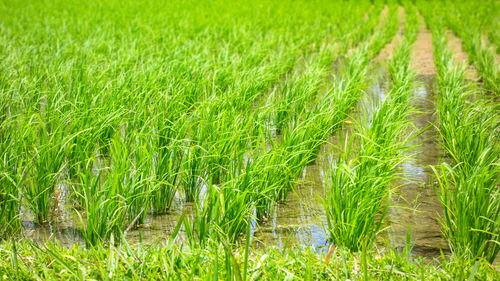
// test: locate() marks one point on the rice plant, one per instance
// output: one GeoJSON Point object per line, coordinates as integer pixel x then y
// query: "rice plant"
{"type": "Point", "coordinates": [102, 214]}
{"type": "Point", "coordinates": [127, 113]}
{"type": "Point", "coordinates": [44, 146]}
{"type": "Point", "coordinates": [358, 187]}
{"type": "Point", "coordinates": [130, 175]}
{"type": "Point", "coordinates": [468, 185]}
{"type": "Point", "coordinates": [11, 176]}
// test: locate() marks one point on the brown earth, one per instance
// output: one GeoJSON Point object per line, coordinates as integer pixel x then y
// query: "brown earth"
{"type": "Point", "coordinates": [384, 13]}
{"type": "Point", "coordinates": [389, 48]}
{"type": "Point", "coordinates": [422, 57]}
{"type": "Point", "coordinates": [455, 45]}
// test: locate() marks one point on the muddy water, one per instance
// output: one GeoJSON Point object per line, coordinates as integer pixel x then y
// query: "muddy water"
{"type": "Point", "coordinates": [300, 219]}
{"type": "Point", "coordinates": [415, 203]}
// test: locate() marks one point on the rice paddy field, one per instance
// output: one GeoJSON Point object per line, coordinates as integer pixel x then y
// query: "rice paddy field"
{"type": "Point", "coordinates": [262, 140]}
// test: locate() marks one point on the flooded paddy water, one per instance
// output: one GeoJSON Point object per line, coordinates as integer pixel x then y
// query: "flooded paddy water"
{"type": "Point", "coordinates": [415, 205]}
{"type": "Point", "coordinates": [300, 219]}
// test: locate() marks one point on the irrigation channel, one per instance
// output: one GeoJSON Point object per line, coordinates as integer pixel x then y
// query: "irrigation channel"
{"type": "Point", "coordinates": [300, 219]}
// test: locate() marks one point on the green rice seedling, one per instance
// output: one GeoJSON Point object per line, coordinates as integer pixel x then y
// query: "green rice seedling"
{"type": "Point", "coordinates": [130, 175]}
{"type": "Point", "coordinates": [471, 210]}
{"type": "Point", "coordinates": [358, 187]}
{"type": "Point", "coordinates": [296, 94]}
{"type": "Point", "coordinates": [358, 183]}
{"type": "Point", "coordinates": [227, 151]}
{"type": "Point", "coordinates": [9, 206]}
{"type": "Point", "coordinates": [467, 187]}
{"type": "Point", "coordinates": [167, 171]}
{"type": "Point", "coordinates": [91, 129]}
{"type": "Point", "coordinates": [11, 175]}
{"type": "Point", "coordinates": [222, 134]}
{"type": "Point", "coordinates": [45, 149]}
{"type": "Point", "coordinates": [489, 70]}
{"type": "Point", "coordinates": [102, 214]}
{"type": "Point", "coordinates": [218, 215]}
{"type": "Point", "coordinates": [412, 22]}
{"type": "Point", "coordinates": [193, 171]}
{"type": "Point", "coordinates": [272, 177]}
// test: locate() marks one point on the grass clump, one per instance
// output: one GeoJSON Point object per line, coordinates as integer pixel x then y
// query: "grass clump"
{"type": "Point", "coordinates": [127, 262]}
{"type": "Point", "coordinates": [359, 181]}
{"type": "Point", "coordinates": [468, 184]}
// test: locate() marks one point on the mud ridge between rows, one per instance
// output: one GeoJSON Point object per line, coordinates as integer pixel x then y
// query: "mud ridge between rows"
{"type": "Point", "coordinates": [422, 56]}
{"type": "Point", "coordinates": [388, 50]}
{"type": "Point", "coordinates": [455, 45]}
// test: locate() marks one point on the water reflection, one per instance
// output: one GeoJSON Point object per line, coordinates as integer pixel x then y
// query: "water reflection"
{"type": "Point", "coordinates": [300, 219]}
{"type": "Point", "coordinates": [415, 203]}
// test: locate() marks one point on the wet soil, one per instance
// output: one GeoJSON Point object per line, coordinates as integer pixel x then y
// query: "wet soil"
{"type": "Point", "coordinates": [422, 57]}
{"type": "Point", "coordinates": [388, 50]}
{"type": "Point", "coordinates": [416, 207]}
{"type": "Point", "coordinates": [455, 45]}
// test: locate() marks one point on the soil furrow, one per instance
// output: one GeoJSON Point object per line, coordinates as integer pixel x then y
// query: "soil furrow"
{"type": "Point", "coordinates": [389, 48]}
{"type": "Point", "coordinates": [455, 45]}
{"type": "Point", "coordinates": [422, 56]}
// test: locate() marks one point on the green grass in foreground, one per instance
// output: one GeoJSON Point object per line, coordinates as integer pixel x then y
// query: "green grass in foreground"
{"type": "Point", "coordinates": [54, 262]}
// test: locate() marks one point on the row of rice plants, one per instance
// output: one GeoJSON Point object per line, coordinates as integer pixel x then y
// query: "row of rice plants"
{"type": "Point", "coordinates": [468, 26]}
{"type": "Point", "coordinates": [265, 171]}
{"type": "Point", "coordinates": [271, 174]}
{"type": "Point", "coordinates": [222, 150]}
{"type": "Point", "coordinates": [467, 186]}
{"type": "Point", "coordinates": [358, 184]}
{"type": "Point", "coordinates": [214, 162]}
{"type": "Point", "coordinates": [302, 139]}
{"type": "Point", "coordinates": [122, 149]}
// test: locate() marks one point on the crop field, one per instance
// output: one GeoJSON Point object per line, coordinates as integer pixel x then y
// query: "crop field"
{"type": "Point", "coordinates": [259, 140]}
